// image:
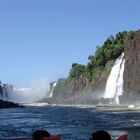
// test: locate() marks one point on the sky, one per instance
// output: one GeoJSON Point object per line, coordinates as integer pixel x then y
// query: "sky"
{"type": "Point", "coordinates": [40, 39]}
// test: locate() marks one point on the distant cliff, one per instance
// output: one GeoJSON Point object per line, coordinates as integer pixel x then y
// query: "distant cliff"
{"type": "Point", "coordinates": [4, 90]}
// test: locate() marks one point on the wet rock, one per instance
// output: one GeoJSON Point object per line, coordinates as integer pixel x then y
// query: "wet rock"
{"type": "Point", "coordinates": [132, 68]}
{"type": "Point", "coordinates": [7, 104]}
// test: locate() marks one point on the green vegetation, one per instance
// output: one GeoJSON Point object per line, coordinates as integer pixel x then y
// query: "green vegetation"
{"type": "Point", "coordinates": [100, 64]}
{"type": "Point", "coordinates": [77, 70]}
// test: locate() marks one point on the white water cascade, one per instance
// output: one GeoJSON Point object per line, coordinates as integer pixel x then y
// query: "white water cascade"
{"type": "Point", "coordinates": [114, 85]}
{"type": "Point", "coordinates": [5, 90]}
{"type": "Point", "coordinates": [51, 92]}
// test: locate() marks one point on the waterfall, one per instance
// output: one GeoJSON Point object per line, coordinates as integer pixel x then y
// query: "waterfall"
{"type": "Point", "coordinates": [119, 85]}
{"type": "Point", "coordinates": [5, 91]}
{"type": "Point", "coordinates": [51, 92]}
{"type": "Point", "coordinates": [114, 85]}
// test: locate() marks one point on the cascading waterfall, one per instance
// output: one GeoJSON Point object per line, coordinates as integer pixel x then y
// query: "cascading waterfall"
{"type": "Point", "coordinates": [5, 90]}
{"type": "Point", "coordinates": [51, 93]}
{"type": "Point", "coordinates": [114, 85]}
{"type": "Point", "coordinates": [119, 85]}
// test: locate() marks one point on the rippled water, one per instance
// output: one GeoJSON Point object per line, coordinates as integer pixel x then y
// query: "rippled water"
{"type": "Point", "coordinates": [70, 122]}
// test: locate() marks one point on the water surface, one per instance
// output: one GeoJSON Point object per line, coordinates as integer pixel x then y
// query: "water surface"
{"type": "Point", "coordinates": [72, 123]}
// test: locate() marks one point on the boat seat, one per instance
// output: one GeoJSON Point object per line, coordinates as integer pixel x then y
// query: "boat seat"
{"type": "Point", "coordinates": [123, 137]}
{"type": "Point", "coordinates": [57, 137]}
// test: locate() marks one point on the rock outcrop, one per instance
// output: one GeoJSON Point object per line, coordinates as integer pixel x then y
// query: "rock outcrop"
{"type": "Point", "coordinates": [7, 104]}
{"type": "Point", "coordinates": [132, 68]}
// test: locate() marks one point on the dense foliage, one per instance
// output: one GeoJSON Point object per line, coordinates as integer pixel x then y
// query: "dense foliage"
{"type": "Point", "coordinates": [111, 49]}
{"type": "Point", "coordinates": [77, 70]}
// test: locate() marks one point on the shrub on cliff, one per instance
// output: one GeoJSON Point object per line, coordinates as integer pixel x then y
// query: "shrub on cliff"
{"type": "Point", "coordinates": [77, 70]}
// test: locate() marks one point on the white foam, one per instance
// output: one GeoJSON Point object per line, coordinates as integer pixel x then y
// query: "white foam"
{"type": "Point", "coordinates": [37, 104]}
{"type": "Point", "coordinates": [131, 107]}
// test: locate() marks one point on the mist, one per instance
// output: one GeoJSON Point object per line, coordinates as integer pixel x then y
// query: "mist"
{"type": "Point", "coordinates": [39, 89]}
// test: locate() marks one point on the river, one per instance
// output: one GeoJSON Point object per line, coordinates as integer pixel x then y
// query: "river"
{"type": "Point", "coordinates": [71, 122]}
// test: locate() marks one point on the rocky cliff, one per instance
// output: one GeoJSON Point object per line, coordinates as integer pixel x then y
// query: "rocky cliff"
{"type": "Point", "coordinates": [132, 68]}
{"type": "Point", "coordinates": [79, 90]}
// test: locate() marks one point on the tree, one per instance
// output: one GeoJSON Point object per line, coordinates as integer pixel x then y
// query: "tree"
{"type": "Point", "coordinates": [76, 70]}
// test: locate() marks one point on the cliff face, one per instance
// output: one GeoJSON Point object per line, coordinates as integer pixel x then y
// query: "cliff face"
{"type": "Point", "coordinates": [132, 66]}
{"type": "Point", "coordinates": [79, 91]}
